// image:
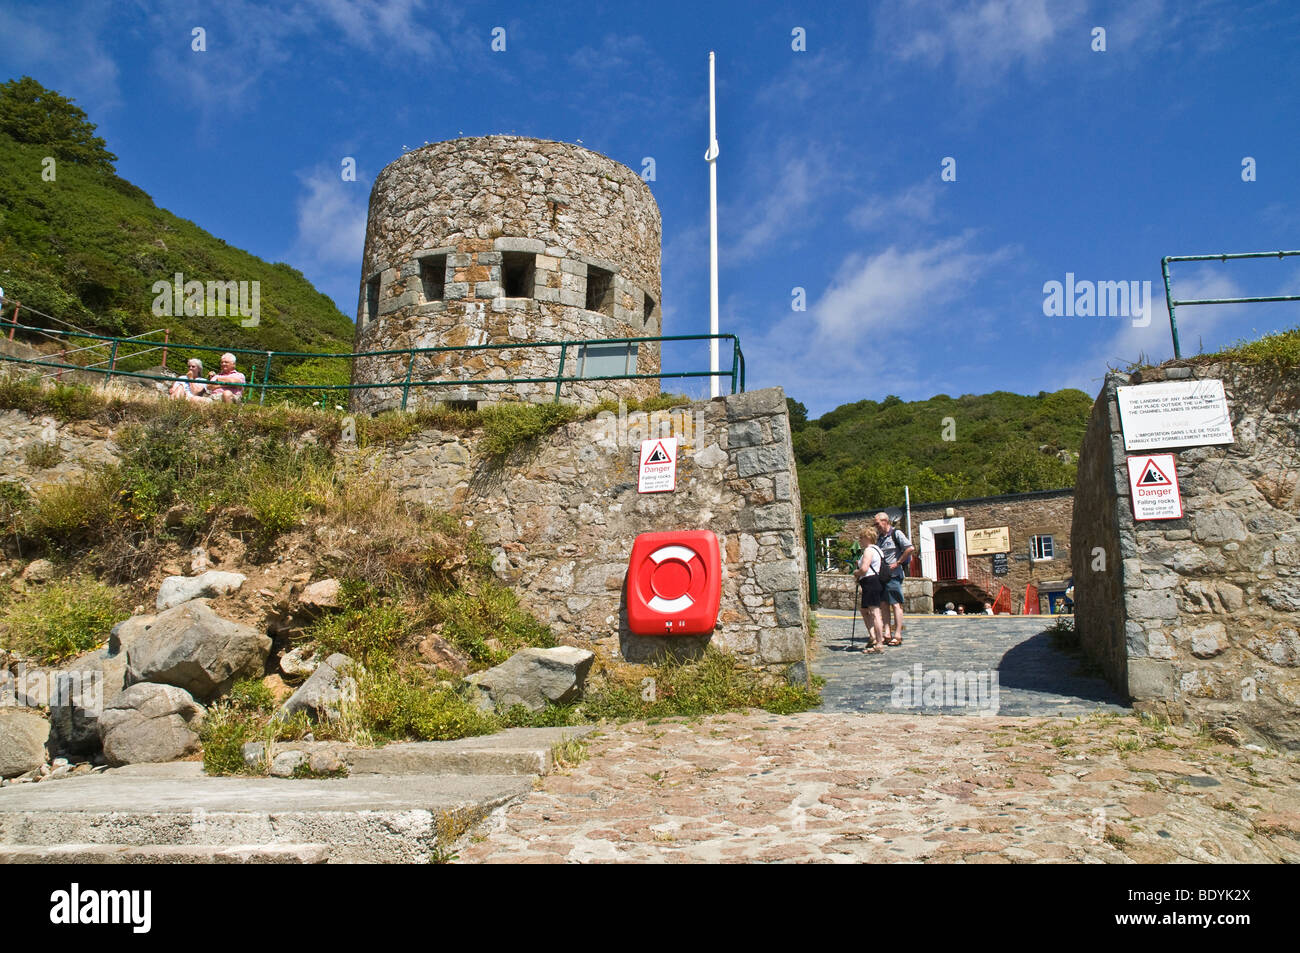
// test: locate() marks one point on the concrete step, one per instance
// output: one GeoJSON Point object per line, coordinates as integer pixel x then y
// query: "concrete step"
{"type": "Point", "coordinates": [164, 854]}
{"type": "Point", "coordinates": [368, 819]}
{"type": "Point", "coordinates": [514, 751]}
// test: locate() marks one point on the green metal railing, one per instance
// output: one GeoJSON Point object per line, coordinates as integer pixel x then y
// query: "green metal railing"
{"type": "Point", "coordinates": [1169, 294]}
{"type": "Point", "coordinates": [736, 375]}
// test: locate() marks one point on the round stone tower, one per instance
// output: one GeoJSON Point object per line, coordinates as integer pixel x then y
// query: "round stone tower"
{"type": "Point", "coordinates": [504, 240]}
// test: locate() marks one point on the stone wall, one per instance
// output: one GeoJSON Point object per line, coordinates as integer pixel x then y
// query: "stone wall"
{"type": "Point", "coordinates": [1198, 617]}
{"type": "Point", "coordinates": [561, 517]}
{"type": "Point", "coordinates": [836, 590]}
{"type": "Point", "coordinates": [41, 451]}
{"type": "Point", "coordinates": [470, 211]}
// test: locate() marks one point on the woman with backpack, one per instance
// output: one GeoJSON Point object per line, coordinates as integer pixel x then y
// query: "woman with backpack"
{"type": "Point", "coordinates": [872, 583]}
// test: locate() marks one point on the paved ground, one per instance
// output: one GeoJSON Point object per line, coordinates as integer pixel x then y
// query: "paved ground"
{"type": "Point", "coordinates": [1032, 676]}
{"type": "Point", "coordinates": [845, 787]}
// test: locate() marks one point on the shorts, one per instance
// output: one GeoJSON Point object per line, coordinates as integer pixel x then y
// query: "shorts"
{"type": "Point", "coordinates": [894, 591]}
{"type": "Point", "coordinates": [872, 593]}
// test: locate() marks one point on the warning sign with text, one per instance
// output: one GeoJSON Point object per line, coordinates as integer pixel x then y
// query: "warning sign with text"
{"type": "Point", "coordinates": [658, 465]}
{"type": "Point", "coordinates": [1154, 484]}
{"type": "Point", "coordinates": [1174, 414]}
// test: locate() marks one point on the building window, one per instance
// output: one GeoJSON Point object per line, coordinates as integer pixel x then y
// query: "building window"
{"type": "Point", "coordinates": [372, 300]}
{"type": "Point", "coordinates": [607, 360]}
{"type": "Point", "coordinates": [649, 312]}
{"type": "Point", "coordinates": [600, 290]}
{"type": "Point", "coordinates": [433, 277]}
{"type": "Point", "coordinates": [517, 271]}
{"type": "Point", "coordinates": [1040, 547]}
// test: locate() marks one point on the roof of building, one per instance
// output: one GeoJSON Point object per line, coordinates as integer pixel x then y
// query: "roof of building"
{"type": "Point", "coordinates": [1004, 498]}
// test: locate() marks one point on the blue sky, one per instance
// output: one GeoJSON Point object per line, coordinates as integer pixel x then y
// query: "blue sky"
{"type": "Point", "coordinates": [1067, 159]}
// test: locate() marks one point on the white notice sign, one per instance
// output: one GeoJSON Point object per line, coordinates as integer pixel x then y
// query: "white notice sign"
{"type": "Point", "coordinates": [658, 465]}
{"type": "Point", "coordinates": [1154, 484]}
{"type": "Point", "coordinates": [1174, 414]}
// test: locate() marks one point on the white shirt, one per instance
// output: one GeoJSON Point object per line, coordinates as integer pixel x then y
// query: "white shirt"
{"type": "Point", "coordinates": [870, 561]}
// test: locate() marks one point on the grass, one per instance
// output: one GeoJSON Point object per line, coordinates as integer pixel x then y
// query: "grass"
{"type": "Point", "coordinates": [1280, 350]}
{"type": "Point", "coordinates": [42, 456]}
{"type": "Point", "coordinates": [61, 619]}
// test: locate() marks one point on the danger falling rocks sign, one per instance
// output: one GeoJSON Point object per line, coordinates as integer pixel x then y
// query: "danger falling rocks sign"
{"type": "Point", "coordinates": [1153, 482]}
{"type": "Point", "coordinates": [658, 466]}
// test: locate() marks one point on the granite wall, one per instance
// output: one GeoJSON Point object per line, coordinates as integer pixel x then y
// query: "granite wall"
{"type": "Point", "coordinates": [1199, 617]}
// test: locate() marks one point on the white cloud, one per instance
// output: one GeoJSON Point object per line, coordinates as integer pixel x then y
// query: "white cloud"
{"type": "Point", "coordinates": [913, 205]}
{"type": "Point", "coordinates": [331, 233]}
{"type": "Point", "coordinates": [983, 40]}
{"type": "Point", "coordinates": [776, 205]}
{"type": "Point", "coordinates": [872, 305]}
{"type": "Point", "coordinates": [39, 44]}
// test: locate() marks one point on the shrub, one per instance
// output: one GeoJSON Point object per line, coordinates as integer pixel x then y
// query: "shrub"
{"type": "Point", "coordinates": [397, 703]}
{"type": "Point", "coordinates": [507, 426]}
{"type": "Point", "coordinates": [69, 515]}
{"type": "Point", "coordinates": [41, 455]}
{"type": "Point", "coordinates": [252, 695]}
{"type": "Point", "coordinates": [223, 733]}
{"type": "Point", "coordinates": [62, 619]}
{"type": "Point", "coordinates": [488, 610]}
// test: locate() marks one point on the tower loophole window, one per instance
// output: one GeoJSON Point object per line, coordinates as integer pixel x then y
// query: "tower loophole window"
{"type": "Point", "coordinates": [600, 290]}
{"type": "Point", "coordinates": [517, 274]}
{"type": "Point", "coordinates": [372, 299]}
{"type": "Point", "coordinates": [433, 277]}
{"type": "Point", "coordinates": [648, 315]}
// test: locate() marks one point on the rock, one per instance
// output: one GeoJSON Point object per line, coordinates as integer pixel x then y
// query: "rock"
{"type": "Point", "coordinates": [150, 722]}
{"type": "Point", "coordinates": [299, 662]}
{"type": "Point", "coordinates": [438, 652]}
{"type": "Point", "coordinates": [193, 648]}
{"type": "Point", "coordinates": [177, 514]}
{"type": "Point", "coordinates": [199, 559]}
{"type": "Point", "coordinates": [535, 677]}
{"type": "Point", "coordinates": [177, 589]}
{"type": "Point", "coordinates": [320, 596]}
{"type": "Point", "coordinates": [23, 736]}
{"type": "Point", "coordinates": [254, 754]}
{"type": "Point", "coordinates": [332, 683]}
{"type": "Point", "coordinates": [82, 689]}
{"type": "Point", "coordinates": [38, 571]}
{"type": "Point", "coordinates": [1227, 736]}
{"type": "Point", "coordinates": [325, 761]}
{"type": "Point", "coordinates": [279, 690]}
{"type": "Point", "coordinates": [127, 631]}
{"type": "Point", "coordinates": [286, 762]}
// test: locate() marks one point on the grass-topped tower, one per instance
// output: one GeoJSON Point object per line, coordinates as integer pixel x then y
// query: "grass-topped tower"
{"type": "Point", "coordinates": [507, 240]}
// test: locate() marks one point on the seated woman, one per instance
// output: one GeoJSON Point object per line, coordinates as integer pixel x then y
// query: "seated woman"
{"type": "Point", "coordinates": [191, 386]}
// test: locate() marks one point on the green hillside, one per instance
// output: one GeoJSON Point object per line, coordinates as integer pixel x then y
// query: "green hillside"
{"type": "Point", "coordinates": [862, 454]}
{"type": "Point", "coordinates": [88, 246]}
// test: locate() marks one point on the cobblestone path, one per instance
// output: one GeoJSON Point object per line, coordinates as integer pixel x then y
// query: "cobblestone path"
{"type": "Point", "coordinates": [1033, 676]}
{"type": "Point", "coordinates": [944, 788]}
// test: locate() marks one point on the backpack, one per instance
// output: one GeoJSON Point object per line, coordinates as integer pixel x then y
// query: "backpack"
{"type": "Point", "coordinates": [882, 574]}
{"type": "Point", "coordinates": [898, 547]}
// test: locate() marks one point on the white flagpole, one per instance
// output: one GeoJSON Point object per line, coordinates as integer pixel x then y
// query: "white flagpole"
{"type": "Point", "coordinates": [711, 157]}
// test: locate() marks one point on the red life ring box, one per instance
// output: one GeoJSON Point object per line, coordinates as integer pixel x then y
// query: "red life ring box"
{"type": "Point", "coordinates": [674, 583]}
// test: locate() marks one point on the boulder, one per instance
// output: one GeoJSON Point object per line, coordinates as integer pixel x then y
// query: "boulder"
{"type": "Point", "coordinates": [23, 736]}
{"type": "Point", "coordinates": [150, 722]}
{"type": "Point", "coordinates": [438, 652]}
{"type": "Point", "coordinates": [284, 764]}
{"type": "Point", "coordinates": [320, 696]}
{"type": "Point", "coordinates": [300, 661]}
{"type": "Point", "coordinates": [193, 648]}
{"type": "Point", "coordinates": [38, 571]}
{"type": "Point", "coordinates": [535, 677]}
{"type": "Point", "coordinates": [320, 596]}
{"type": "Point", "coordinates": [83, 688]}
{"type": "Point", "coordinates": [178, 589]}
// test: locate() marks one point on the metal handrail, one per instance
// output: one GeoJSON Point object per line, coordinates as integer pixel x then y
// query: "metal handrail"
{"type": "Point", "coordinates": [736, 374]}
{"type": "Point", "coordinates": [1171, 304]}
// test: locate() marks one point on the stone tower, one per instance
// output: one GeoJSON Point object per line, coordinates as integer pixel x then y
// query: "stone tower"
{"type": "Point", "coordinates": [506, 240]}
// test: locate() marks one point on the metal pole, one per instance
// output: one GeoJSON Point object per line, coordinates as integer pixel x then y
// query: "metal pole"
{"type": "Point", "coordinates": [711, 157]}
{"type": "Point", "coordinates": [810, 544]}
{"type": "Point", "coordinates": [406, 387]}
{"type": "Point", "coordinates": [112, 363]}
{"type": "Point", "coordinates": [1169, 303]}
{"type": "Point", "coordinates": [559, 374]}
{"type": "Point", "coordinates": [266, 376]}
{"type": "Point", "coordinates": [166, 334]}
{"type": "Point", "coordinates": [735, 365]}
{"type": "Point", "coordinates": [907, 505]}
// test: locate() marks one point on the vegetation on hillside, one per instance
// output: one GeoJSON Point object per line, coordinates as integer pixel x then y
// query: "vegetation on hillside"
{"type": "Point", "coordinates": [862, 454]}
{"type": "Point", "coordinates": [1280, 350]}
{"type": "Point", "coordinates": [88, 246]}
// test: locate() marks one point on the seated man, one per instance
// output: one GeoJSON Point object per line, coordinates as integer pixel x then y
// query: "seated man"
{"type": "Point", "coordinates": [229, 377]}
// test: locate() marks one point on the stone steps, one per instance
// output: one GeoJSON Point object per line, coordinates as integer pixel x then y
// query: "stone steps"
{"type": "Point", "coordinates": [403, 809]}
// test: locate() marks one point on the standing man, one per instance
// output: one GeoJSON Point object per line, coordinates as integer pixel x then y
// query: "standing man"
{"type": "Point", "coordinates": [898, 549]}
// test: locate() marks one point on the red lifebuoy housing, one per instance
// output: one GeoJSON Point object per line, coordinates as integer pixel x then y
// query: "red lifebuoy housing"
{"type": "Point", "coordinates": [674, 583]}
